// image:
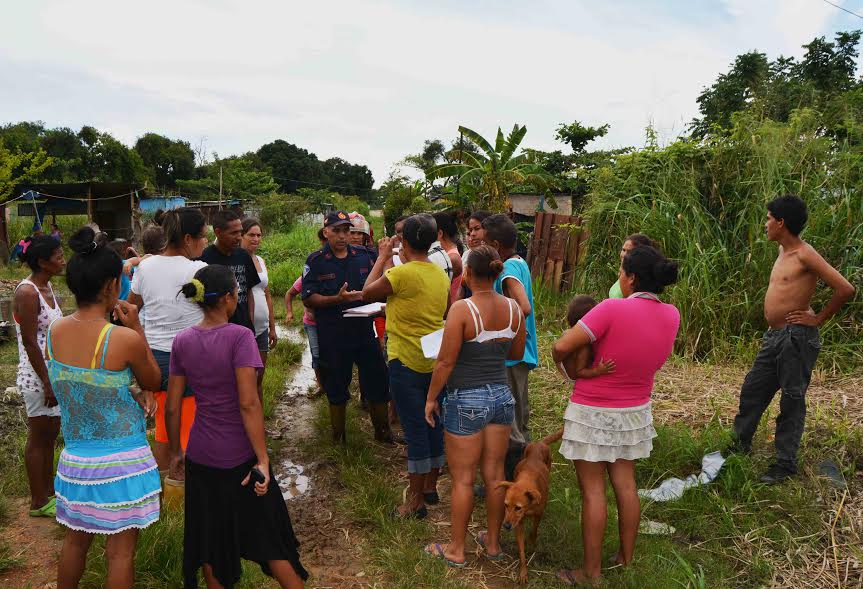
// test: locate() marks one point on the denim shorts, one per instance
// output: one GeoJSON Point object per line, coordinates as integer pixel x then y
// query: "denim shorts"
{"type": "Point", "coordinates": [467, 411]}
{"type": "Point", "coordinates": [312, 335]}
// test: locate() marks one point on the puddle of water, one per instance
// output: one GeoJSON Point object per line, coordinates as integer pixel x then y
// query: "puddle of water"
{"type": "Point", "coordinates": [302, 383]}
{"type": "Point", "coordinates": [291, 479]}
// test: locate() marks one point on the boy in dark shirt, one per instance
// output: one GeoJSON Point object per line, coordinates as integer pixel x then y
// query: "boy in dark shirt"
{"type": "Point", "coordinates": [226, 251]}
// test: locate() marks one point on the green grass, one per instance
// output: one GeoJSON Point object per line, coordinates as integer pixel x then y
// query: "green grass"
{"type": "Point", "coordinates": [725, 534]}
{"type": "Point", "coordinates": [286, 253]}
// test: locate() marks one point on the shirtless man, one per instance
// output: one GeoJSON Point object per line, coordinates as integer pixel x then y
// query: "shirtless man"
{"type": "Point", "coordinates": [790, 346]}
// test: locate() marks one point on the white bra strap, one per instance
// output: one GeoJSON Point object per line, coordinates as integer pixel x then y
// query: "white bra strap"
{"type": "Point", "coordinates": [473, 313]}
{"type": "Point", "coordinates": [518, 326]}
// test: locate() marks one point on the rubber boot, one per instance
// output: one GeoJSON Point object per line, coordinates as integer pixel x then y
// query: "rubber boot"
{"type": "Point", "coordinates": [379, 413]}
{"type": "Point", "coordinates": [338, 414]}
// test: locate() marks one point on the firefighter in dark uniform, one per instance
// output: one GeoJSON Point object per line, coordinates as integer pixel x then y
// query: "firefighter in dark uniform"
{"type": "Point", "coordinates": [333, 280]}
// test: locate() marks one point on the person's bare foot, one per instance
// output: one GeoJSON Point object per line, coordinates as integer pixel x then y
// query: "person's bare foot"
{"type": "Point", "coordinates": [618, 560]}
{"type": "Point", "coordinates": [576, 578]}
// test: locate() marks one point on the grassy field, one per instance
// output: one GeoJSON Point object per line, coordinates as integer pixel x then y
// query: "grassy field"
{"type": "Point", "coordinates": [733, 533]}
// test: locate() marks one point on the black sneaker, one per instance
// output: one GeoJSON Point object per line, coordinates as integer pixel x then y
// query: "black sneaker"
{"type": "Point", "coordinates": [776, 474]}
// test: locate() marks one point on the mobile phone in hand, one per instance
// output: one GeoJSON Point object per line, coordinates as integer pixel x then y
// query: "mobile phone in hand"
{"type": "Point", "coordinates": [256, 476]}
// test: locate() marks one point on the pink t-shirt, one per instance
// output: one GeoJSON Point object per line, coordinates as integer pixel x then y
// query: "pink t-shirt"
{"type": "Point", "coordinates": [308, 317]}
{"type": "Point", "coordinates": [638, 334]}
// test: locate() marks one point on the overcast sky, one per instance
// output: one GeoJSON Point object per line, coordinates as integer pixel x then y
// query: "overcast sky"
{"type": "Point", "coordinates": [369, 81]}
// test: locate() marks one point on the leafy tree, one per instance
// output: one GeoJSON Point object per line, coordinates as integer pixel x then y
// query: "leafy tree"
{"type": "Point", "coordinates": [279, 212]}
{"type": "Point", "coordinates": [774, 89]}
{"type": "Point", "coordinates": [486, 178]}
{"type": "Point", "coordinates": [577, 136]}
{"type": "Point", "coordinates": [17, 167]}
{"type": "Point", "coordinates": [241, 178]}
{"type": "Point", "coordinates": [399, 194]}
{"type": "Point", "coordinates": [170, 160]}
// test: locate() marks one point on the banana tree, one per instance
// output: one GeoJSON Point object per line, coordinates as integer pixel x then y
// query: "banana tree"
{"type": "Point", "coordinates": [485, 178]}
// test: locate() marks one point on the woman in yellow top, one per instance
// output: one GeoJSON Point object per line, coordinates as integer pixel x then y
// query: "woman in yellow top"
{"type": "Point", "coordinates": [417, 297]}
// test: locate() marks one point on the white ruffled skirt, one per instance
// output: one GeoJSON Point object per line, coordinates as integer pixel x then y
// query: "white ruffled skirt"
{"type": "Point", "coordinates": [606, 434]}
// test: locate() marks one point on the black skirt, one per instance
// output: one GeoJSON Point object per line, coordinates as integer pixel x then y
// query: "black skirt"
{"type": "Point", "coordinates": [226, 521]}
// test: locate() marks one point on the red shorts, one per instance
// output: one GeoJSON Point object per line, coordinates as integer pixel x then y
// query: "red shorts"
{"type": "Point", "coordinates": [187, 417]}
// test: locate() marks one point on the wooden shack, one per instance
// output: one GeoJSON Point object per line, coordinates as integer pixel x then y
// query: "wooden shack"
{"type": "Point", "coordinates": [110, 205]}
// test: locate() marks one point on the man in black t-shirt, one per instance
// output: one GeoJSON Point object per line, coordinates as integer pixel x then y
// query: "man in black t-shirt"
{"type": "Point", "coordinates": [227, 252]}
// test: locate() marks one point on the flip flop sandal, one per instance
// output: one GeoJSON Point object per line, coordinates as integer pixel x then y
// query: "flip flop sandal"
{"type": "Point", "coordinates": [47, 510]}
{"type": "Point", "coordinates": [480, 539]}
{"type": "Point", "coordinates": [437, 551]}
{"type": "Point", "coordinates": [567, 577]}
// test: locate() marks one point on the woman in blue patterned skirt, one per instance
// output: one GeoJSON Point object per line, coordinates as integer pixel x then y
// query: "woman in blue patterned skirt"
{"type": "Point", "coordinates": [107, 481]}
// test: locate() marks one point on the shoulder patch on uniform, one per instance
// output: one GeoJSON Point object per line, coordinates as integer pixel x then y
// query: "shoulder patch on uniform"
{"type": "Point", "coordinates": [305, 270]}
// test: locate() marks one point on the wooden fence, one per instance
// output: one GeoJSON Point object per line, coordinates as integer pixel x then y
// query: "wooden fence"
{"type": "Point", "coordinates": [555, 249]}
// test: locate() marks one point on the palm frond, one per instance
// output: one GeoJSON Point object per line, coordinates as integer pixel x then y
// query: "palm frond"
{"type": "Point", "coordinates": [479, 141]}
{"type": "Point", "coordinates": [512, 142]}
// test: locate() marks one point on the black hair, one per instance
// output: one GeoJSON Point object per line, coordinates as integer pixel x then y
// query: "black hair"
{"type": "Point", "coordinates": [321, 236]}
{"type": "Point", "coordinates": [41, 247]}
{"type": "Point", "coordinates": [217, 280]}
{"type": "Point", "coordinates": [400, 218]}
{"type": "Point", "coordinates": [121, 246]}
{"type": "Point", "coordinates": [420, 231]}
{"type": "Point", "coordinates": [223, 218]}
{"type": "Point", "coordinates": [501, 229]}
{"type": "Point", "coordinates": [448, 223]}
{"type": "Point", "coordinates": [249, 222]}
{"type": "Point", "coordinates": [640, 239]}
{"type": "Point", "coordinates": [479, 216]}
{"type": "Point", "coordinates": [484, 262]}
{"type": "Point", "coordinates": [652, 270]}
{"type": "Point", "coordinates": [153, 240]}
{"type": "Point", "coordinates": [91, 267]}
{"type": "Point", "coordinates": [790, 209]}
{"type": "Point", "coordinates": [578, 308]}
{"type": "Point", "coordinates": [178, 223]}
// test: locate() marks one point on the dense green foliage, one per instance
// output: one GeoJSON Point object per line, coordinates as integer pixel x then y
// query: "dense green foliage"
{"type": "Point", "coordinates": [705, 202]}
{"type": "Point", "coordinates": [822, 79]}
{"type": "Point", "coordinates": [286, 253]}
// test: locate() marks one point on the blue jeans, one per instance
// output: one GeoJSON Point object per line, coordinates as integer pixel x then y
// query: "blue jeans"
{"type": "Point", "coordinates": [312, 334]}
{"type": "Point", "coordinates": [163, 359]}
{"type": "Point", "coordinates": [467, 411]}
{"type": "Point", "coordinates": [425, 444]}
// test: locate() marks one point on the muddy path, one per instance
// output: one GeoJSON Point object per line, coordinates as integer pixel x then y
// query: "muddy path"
{"type": "Point", "coordinates": [331, 547]}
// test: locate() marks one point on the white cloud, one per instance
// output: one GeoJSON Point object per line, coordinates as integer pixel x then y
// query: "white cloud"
{"type": "Point", "coordinates": [369, 81]}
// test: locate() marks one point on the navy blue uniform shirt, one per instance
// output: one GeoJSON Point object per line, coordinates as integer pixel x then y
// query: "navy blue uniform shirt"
{"type": "Point", "coordinates": [325, 274]}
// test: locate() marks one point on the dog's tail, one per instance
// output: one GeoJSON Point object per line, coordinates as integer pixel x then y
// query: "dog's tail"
{"type": "Point", "coordinates": [549, 440]}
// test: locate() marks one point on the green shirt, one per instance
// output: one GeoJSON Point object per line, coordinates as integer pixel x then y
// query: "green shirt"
{"type": "Point", "coordinates": [415, 309]}
{"type": "Point", "coordinates": [614, 292]}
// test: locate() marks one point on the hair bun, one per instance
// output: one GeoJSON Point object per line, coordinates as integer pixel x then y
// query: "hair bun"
{"type": "Point", "coordinates": [189, 290]}
{"type": "Point", "coordinates": [496, 266]}
{"type": "Point", "coordinates": [666, 271]}
{"type": "Point", "coordinates": [84, 241]}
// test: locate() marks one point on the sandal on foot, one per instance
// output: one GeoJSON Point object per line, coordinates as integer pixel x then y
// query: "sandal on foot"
{"type": "Point", "coordinates": [575, 578]}
{"type": "Point", "coordinates": [431, 498]}
{"type": "Point", "coordinates": [47, 510]}
{"type": "Point", "coordinates": [420, 513]}
{"type": "Point", "coordinates": [437, 551]}
{"type": "Point", "coordinates": [480, 539]}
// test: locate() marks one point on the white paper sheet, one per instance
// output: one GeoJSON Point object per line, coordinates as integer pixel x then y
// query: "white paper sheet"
{"type": "Point", "coordinates": [431, 343]}
{"type": "Point", "coordinates": [365, 310]}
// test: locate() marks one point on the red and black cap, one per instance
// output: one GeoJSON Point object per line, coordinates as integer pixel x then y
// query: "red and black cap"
{"type": "Point", "coordinates": [336, 218]}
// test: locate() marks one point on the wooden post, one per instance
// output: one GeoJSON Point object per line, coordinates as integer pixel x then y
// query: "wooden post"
{"type": "Point", "coordinates": [572, 252]}
{"type": "Point", "coordinates": [536, 244]}
{"type": "Point", "coordinates": [547, 223]}
{"type": "Point", "coordinates": [556, 251]}
{"type": "Point", "coordinates": [89, 202]}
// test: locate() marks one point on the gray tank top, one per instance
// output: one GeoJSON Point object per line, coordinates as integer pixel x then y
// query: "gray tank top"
{"type": "Point", "coordinates": [481, 361]}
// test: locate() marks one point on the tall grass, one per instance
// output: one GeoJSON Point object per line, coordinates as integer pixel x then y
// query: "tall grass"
{"type": "Point", "coordinates": [286, 253]}
{"type": "Point", "coordinates": [705, 202]}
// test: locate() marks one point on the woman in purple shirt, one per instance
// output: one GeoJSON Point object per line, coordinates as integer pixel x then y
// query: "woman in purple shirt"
{"type": "Point", "coordinates": [232, 509]}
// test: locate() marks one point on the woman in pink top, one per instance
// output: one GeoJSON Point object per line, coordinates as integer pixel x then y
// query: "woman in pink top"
{"type": "Point", "coordinates": [608, 423]}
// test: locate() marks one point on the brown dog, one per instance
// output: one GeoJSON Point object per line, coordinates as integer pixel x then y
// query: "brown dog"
{"type": "Point", "coordinates": [527, 496]}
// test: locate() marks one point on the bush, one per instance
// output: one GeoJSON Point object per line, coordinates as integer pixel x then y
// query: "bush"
{"type": "Point", "coordinates": [705, 203]}
{"type": "Point", "coordinates": [279, 212]}
{"type": "Point", "coordinates": [350, 204]}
